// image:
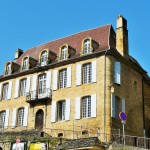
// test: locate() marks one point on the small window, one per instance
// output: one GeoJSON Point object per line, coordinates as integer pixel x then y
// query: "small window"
{"type": "Point", "coordinates": [86, 46]}
{"type": "Point", "coordinates": [20, 117]}
{"type": "Point", "coordinates": [8, 69]}
{"type": "Point", "coordinates": [63, 78]}
{"type": "Point", "coordinates": [42, 84]}
{"type": "Point", "coordinates": [85, 132]}
{"type": "Point", "coordinates": [44, 58]}
{"type": "Point", "coordinates": [64, 53]}
{"type": "Point", "coordinates": [2, 119]}
{"type": "Point", "coordinates": [86, 107]}
{"type": "Point", "coordinates": [117, 73]}
{"type": "Point", "coordinates": [5, 91]}
{"type": "Point", "coordinates": [25, 63]}
{"type": "Point", "coordinates": [60, 134]}
{"type": "Point", "coordinates": [117, 106]}
{"type": "Point", "coordinates": [23, 84]}
{"type": "Point", "coordinates": [87, 73]}
{"type": "Point", "coordinates": [61, 107]}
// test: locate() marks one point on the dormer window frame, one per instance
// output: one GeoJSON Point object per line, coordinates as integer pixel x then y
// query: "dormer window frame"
{"type": "Point", "coordinates": [86, 46]}
{"type": "Point", "coordinates": [63, 52]}
{"type": "Point", "coordinates": [43, 58]}
{"type": "Point", "coordinates": [25, 63]}
{"type": "Point", "coordinates": [8, 69]}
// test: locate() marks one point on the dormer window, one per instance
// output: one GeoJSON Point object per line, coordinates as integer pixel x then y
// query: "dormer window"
{"type": "Point", "coordinates": [44, 58]}
{"type": "Point", "coordinates": [8, 69]}
{"type": "Point", "coordinates": [64, 53]}
{"type": "Point", "coordinates": [25, 63]}
{"type": "Point", "coordinates": [86, 46]}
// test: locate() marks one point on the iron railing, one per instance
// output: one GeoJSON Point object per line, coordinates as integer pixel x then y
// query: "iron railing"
{"type": "Point", "coordinates": [35, 95]}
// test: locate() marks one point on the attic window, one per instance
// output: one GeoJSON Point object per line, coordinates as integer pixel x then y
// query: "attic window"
{"type": "Point", "coordinates": [44, 57]}
{"type": "Point", "coordinates": [86, 46]}
{"type": "Point", "coordinates": [64, 53]}
{"type": "Point", "coordinates": [25, 63]}
{"type": "Point", "coordinates": [8, 69]}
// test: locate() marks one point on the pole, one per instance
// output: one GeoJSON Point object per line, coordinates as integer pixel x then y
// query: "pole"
{"type": "Point", "coordinates": [123, 123]}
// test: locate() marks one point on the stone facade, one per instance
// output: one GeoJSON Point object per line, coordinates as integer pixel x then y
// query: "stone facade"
{"type": "Point", "coordinates": [102, 89]}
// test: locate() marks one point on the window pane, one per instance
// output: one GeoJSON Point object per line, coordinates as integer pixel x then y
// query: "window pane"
{"type": "Point", "coordinates": [87, 73]}
{"type": "Point", "coordinates": [86, 107]}
{"type": "Point", "coordinates": [2, 119]}
{"type": "Point", "coordinates": [5, 91]}
{"type": "Point", "coordinates": [20, 116]}
{"type": "Point", "coordinates": [86, 47]}
{"type": "Point", "coordinates": [61, 110]}
{"type": "Point", "coordinates": [25, 64]}
{"type": "Point", "coordinates": [42, 84]}
{"type": "Point", "coordinates": [64, 53]}
{"type": "Point", "coordinates": [43, 58]}
{"type": "Point", "coordinates": [23, 84]}
{"type": "Point", "coordinates": [63, 78]}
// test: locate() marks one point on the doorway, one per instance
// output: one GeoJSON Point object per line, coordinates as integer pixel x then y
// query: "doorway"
{"type": "Point", "coordinates": [39, 119]}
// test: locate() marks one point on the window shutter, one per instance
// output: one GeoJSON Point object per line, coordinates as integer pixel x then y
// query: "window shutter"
{"type": "Point", "coordinates": [69, 77]}
{"type": "Point", "coordinates": [28, 85]}
{"type": "Point", "coordinates": [112, 105]}
{"type": "Point", "coordinates": [78, 74]}
{"type": "Point", "coordinates": [123, 105]}
{"type": "Point", "coordinates": [53, 112]}
{"type": "Point", "coordinates": [14, 118]}
{"type": "Point", "coordinates": [77, 108]}
{"type": "Point", "coordinates": [55, 79]}
{"type": "Point", "coordinates": [48, 80]}
{"type": "Point", "coordinates": [94, 71]}
{"type": "Point", "coordinates": [0, 91]}
{"type": "Point", "coordinates": [117, 72]}
{"type": "Point", "coordinates": [16, 89]}
{"type": "Point", "coordinates": [6, 119]}
{"type": "Point", "coordinates": [25, 119]}
{"type": "Point", "coordinates": [9, 90]}
{"type": "Point", "coordinates": [67, 111]}
{"type": "Point", "coordinates": [34, 82]}
{"type": "Point", "coordinates": [93, 105]}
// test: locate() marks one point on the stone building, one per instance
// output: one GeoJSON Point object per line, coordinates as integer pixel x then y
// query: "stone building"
{"type": "Point", "coordinates": [75, 85]}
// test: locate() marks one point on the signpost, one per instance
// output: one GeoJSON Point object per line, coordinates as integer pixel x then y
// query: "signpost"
{"type": "Point", "coordinates": [123, 117]}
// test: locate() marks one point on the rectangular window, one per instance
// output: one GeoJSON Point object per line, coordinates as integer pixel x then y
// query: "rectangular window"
{"type": "Point", "coordinates": [63, 78]}
{"type": "Point", "coordinates": [23, 84]}
{"type": "Point", "coordinates": [87, 73]}
{"type": "Point", "coordinates": [2, 119]}
{"type": "Point", "coordinates": [42, 84]}
{"type": "Point", "coordinates": [64, 53]}
{"type": "Point", "coordinates": [61, 108]}
{"type": "Point", "coordinates": [8, 69]}
{"type": "Point", "coordinates": [5, 91]}
{"type": "Point", "coordinates": [86, 48]}
{"type": "Point", "coordinates": [20, 117]}
{"type": "Point", "coordinates": [117, 107]}
{"type": "Point", "coordinates": [25, 64]}
{"type": "Point", "coordinates": [86, 107]}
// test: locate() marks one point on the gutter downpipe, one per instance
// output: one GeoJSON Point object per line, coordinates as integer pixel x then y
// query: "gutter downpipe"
{"type": "Point", "coordinates": [105, 94]}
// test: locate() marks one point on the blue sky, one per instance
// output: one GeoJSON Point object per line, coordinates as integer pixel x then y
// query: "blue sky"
{"type": "Point", "coordinates": [25, 24]}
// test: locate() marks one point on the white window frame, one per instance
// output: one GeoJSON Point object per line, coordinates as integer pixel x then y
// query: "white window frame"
{"type": "Point", "coordinates": [64, 53]}
{"type": "Point", "coordinates": [20, 117]}
{"type": "Point", "coordinates": [86, 46]}
{"type": "Point", "coordinates": [23, 86]}
{"type": "Point", "coordinates": [87, 73]}
{"type": "Point", "coordinates": [61, 110]}
{"type": "Point", "coordinates": [117, 106]}
{"type": "Point", "coordinates": [42, 84]}
{"type": "Point", "coordinates": [86, 107]}
{"type": "Point", "coordinates": [63, 78]}
{"type": "Point", "coordinates": [8, 69]}
{"type": "Point", "coordinates": [2, 119]}
{"type": "Point", "coordinates": [5, 91]}
{"type": "Point", "coordinates": [44, 56]}
{"type": "Point", "coordinates": [25, 63]}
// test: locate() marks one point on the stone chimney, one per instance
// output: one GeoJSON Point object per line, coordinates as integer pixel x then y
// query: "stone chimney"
{"type": "Point", "coordinates": [122, 36]}
{"type": "Point", "coordinates": [18, 53]}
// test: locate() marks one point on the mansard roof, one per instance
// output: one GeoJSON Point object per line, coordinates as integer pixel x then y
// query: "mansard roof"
{"type": "Point", "coordinates": [101, 35]}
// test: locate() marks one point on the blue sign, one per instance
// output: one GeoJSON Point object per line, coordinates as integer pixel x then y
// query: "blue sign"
{"type": "Point", "coordinates": [123, 116]}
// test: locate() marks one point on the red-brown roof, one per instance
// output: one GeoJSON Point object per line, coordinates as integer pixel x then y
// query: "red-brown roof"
{"type": "Point", "coordinates": [100, 35]}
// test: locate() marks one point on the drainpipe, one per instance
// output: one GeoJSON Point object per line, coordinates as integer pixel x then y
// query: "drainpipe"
{"type": "Point", "coordinates": [105, 92]}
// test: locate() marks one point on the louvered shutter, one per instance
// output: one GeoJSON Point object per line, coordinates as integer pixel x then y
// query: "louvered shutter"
{"type": "Point", "coordinates": [69, 76]}
{"type": "Point", "coordinates": [113, 106]}
{"type": "Point", "coordinates": [77, 108]}
{"type": "Point", "coordinates": [9, 90]}
{"type": "Point", "coordinates": [123, 105]}
{"type": "Point", "coordinates": [16, 89]}
{"type": "Point", "coordinates": [6, 119]}
{"type": "Point", "coordinates": [55, 79]}
{"type": "Point", "coordinates": [48, 80]}
{"type": "Point", "coordinates": [34, 87]}
{"type": "Point", "coordinates": [14, 118]}
{"type": "Point", "coordinates": [94, 71]}
{"type": "Point", "coordinates": [78, 74]}
{"type": "Point", "coordinates": [25, 118]}
{"type": "Point", "coordinates": [0, 91]}
{"type": "Point", "coordinates": [67, 111]}
{"type": "Point", "coordinates": [117, 72]}
{"type": "Point", "coordinates": [53, 112]}
{"type": "Point", "coordinates": [28, 86]}
{"type": "Point", "coordinates": [93, 105]}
